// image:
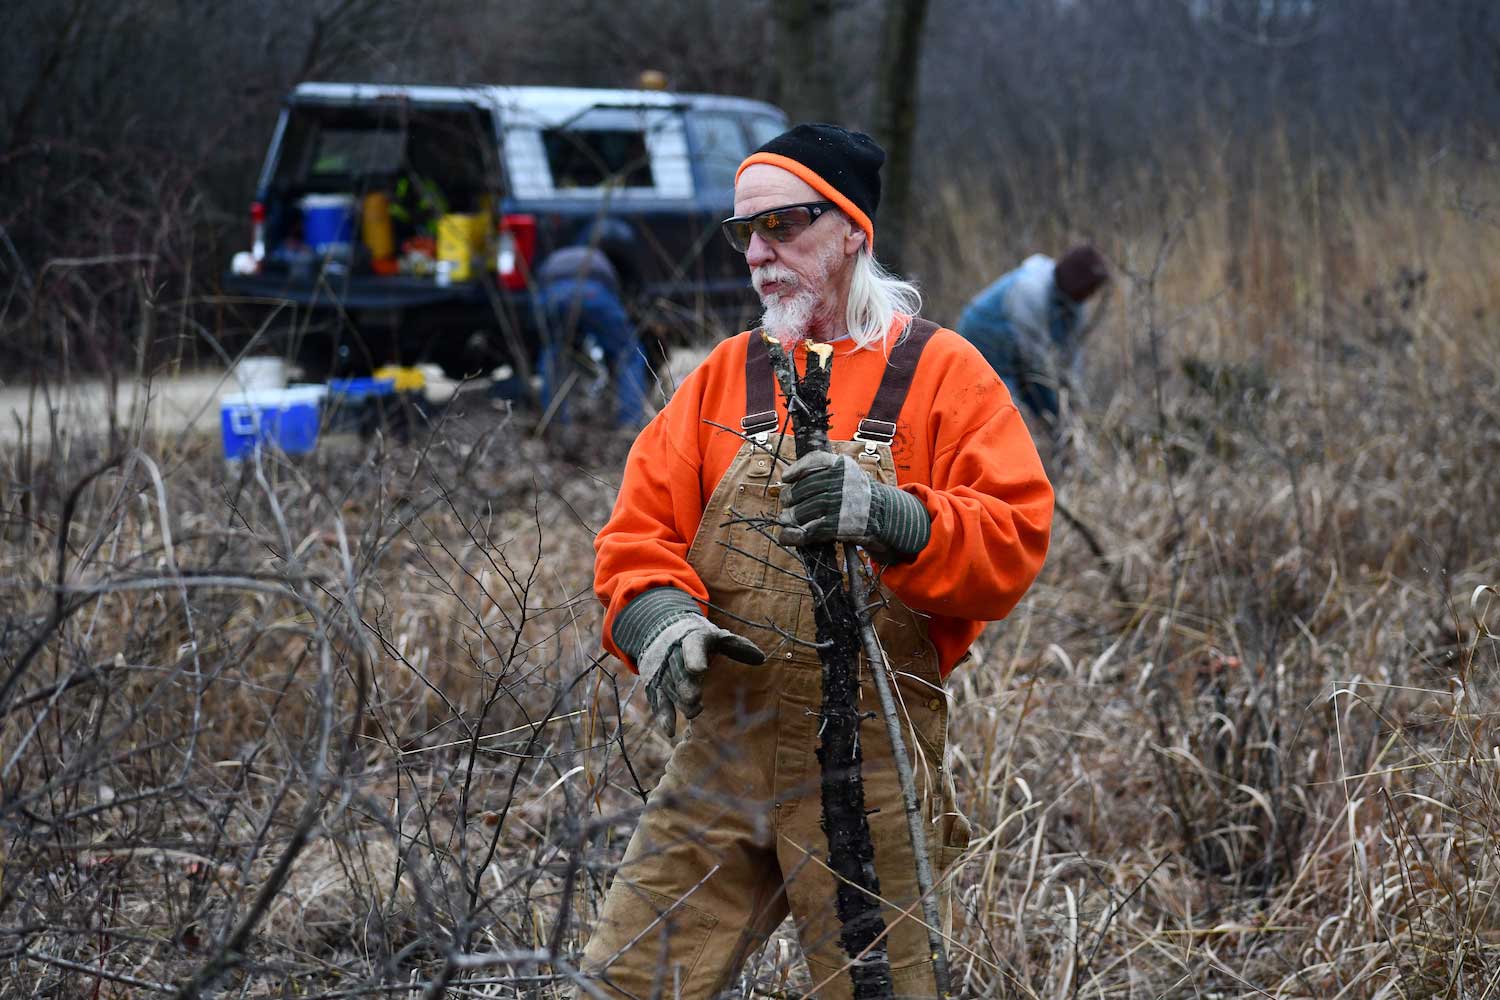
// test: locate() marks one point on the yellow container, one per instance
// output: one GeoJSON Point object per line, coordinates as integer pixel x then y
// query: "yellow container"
{"type": "Point", "coordinates": [375, 229]}
{"type": "Point", "coordinates": [406, 379]}
{"type": "Point", "coordinates": [460, 238]}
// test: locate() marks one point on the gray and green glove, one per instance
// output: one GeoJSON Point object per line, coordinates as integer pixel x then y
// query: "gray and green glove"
{"type": "Point", "coordinates": [671, 643]}
{"type": "Point", "coordinates": [830, 498]}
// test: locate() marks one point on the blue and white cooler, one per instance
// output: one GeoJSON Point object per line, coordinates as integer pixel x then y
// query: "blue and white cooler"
{"type": "Point", "coordinates": [285, 419]}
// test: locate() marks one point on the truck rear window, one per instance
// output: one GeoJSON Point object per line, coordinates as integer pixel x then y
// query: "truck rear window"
{"type": "Point", "coordinates": [591, 158]}
{"type": "Point", "coordinates": [358, 147]}
{"type": "Point", "coordinates": [351, 152]}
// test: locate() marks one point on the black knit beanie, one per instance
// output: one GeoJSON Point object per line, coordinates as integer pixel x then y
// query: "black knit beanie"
{"type": "Point", "coordinates": [1080, 272]}
{"type": "Point", "coordinates": [841, 165]}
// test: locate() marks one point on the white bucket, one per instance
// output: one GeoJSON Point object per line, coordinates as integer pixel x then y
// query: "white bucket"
{"type": "Point", "coordinates": [256, 374]}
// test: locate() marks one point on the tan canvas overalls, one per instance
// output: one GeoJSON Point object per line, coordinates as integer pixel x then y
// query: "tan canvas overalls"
{"type": "Point", "coordinates": [731, 841]}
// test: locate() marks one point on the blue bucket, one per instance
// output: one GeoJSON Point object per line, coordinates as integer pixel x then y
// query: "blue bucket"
{"type": "Point", "coordinates": [355, 390]}
{"type": "Point", "coordinates": [355, 404]}
{"type": "Point", "coordinates": [286, 419]}
{"type": "Point", "coordinates": [328, 222]}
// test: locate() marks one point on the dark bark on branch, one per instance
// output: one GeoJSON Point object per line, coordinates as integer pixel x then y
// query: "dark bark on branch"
{"type": "Point", "coordinates": [851, 852]}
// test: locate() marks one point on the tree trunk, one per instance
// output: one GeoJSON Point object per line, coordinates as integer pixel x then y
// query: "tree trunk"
{"type": "Point", "coordinates": [896, 120]}
{"type": "Point", "coordinates": [805, 68]}
{"type": "Point", "coordinates": [851, 852]}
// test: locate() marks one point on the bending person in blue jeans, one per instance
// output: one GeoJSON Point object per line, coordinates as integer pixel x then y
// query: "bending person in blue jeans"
{"type": "Point", "coordinates": [1029, 325]}
{"type": "Point", "coordinates": [578, 295]}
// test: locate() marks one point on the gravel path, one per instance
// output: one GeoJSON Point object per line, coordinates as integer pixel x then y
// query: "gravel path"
{"type": "Point", "coordinates": [167, 405]}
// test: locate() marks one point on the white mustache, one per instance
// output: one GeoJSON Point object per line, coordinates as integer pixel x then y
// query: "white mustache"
{"type": "Point", "coordinates": [760, 277]}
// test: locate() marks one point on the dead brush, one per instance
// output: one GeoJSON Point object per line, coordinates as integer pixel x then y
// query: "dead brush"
{"type": "Point", "coordinates": [347, 732]}
{"type": "Point", "coordinates": [1439, 832]}
{"type": "Point", "coordinates": [1229, 767]}
{"type": "Point", "coordinates": [1189, 789]}
{"type": "Point", "coordinates": [305, 703]}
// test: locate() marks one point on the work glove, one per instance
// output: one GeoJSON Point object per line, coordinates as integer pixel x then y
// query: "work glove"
{"type": "Point", "coordinates": [827, 497]}
{"type": "Point", "coordinates": [671, 643]}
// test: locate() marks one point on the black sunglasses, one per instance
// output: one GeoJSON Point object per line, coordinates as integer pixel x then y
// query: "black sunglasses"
{"type": "Point", "coordinates": [780, 224]}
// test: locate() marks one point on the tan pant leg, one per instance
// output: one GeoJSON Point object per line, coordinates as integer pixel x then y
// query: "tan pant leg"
{"type": "Point", "coordinates": [661, 932]}
{"type": "Point", "coordinates": [803, 850]}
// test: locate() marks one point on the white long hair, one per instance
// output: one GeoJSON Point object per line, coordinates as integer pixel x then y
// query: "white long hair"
{"type": "Point", "coordinates": [875, 297]}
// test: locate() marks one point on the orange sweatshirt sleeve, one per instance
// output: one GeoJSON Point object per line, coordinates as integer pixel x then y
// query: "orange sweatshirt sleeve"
{"type": "Point", "coordinates": [656, 514]}
{"type": "Point", "coordinates": [987, 494]}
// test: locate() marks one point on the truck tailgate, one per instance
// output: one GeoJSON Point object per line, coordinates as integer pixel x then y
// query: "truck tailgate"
{"type": "Point", "coordinates": [356, 291]}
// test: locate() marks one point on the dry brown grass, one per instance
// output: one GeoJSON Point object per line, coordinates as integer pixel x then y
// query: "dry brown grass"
{"type": "Point", "coordinates": [1264, 773]}
{"type": "Point", "coordinates": [1247, 753]}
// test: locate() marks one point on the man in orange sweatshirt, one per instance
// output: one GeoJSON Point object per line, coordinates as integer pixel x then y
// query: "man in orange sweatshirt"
{"type": "Point", "coordinates": [933, 474]}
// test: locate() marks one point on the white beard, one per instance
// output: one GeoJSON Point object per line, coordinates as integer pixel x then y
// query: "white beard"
{"type": "Point", "coordinates": [790, 314]}
{"type": "Point", "coordinates": [788, 317]}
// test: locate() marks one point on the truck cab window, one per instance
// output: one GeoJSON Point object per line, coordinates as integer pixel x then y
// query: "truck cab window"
{"type": "Point", "coordinates": [718, 146]}
{"type": "Point", "coordinates": [591, 158]}
{"type": "Point", "coordinates": [763, 128]}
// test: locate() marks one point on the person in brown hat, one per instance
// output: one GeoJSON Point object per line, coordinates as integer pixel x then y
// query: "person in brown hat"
{"type": "Point", "coordinates": [1029, 325]}
{"type": "Point", "coordinates": [932, 473]}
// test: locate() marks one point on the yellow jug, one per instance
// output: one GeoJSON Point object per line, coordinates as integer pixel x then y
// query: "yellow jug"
{"type": "Point", "coordinates": [460, 236]}
{"type": "Point", "coordinates": [376, 226]}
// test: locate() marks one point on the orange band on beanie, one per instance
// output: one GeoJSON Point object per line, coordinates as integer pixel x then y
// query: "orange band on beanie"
{"type": "Point", "coordinates": [818, 184]}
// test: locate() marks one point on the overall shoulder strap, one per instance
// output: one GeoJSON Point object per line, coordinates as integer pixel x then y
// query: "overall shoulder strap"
{"type": "Point", "coordinates": [879, 424]}
{"type": "Point", "coordinates": [760, 388]}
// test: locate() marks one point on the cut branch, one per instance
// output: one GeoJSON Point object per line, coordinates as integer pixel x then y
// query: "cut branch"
{"type": "Point", "coordinates": [851, 851]}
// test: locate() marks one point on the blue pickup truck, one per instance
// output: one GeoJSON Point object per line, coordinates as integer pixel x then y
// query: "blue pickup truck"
{"type": "Point", "coordinates": [403, 223]}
